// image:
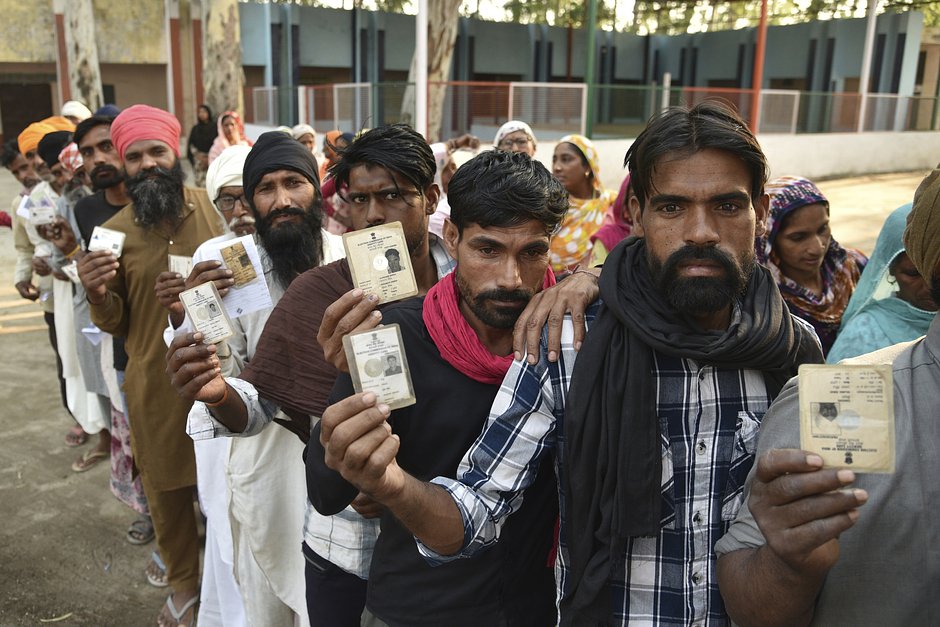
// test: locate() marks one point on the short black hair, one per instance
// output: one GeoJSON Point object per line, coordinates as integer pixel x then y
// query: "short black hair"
{"type": "Point", "coordinates": [502, 189]}
{"type": "Point", "coordinates": [397, 148]}
{"type": "Point", "coordinates": [710, 124]}
{"type": "Point", "coordinates": [85, 126]}
{"type": "Point", "coordinates": [11, 150]}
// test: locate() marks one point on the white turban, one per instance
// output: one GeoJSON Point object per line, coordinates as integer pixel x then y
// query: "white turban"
{"type": "Point", "coordinates": [303, 129]}
{"type": "Point", "coordinates": [226, 170]}
{"type": "Point", "coordinates": [75, 109]}
{"type": "Point", "coordinates": [511, 127]}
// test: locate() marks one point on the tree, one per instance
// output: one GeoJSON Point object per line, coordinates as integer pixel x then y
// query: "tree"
{"type": "Point", "coordinates": [81, 51]}
{"type": "Point", "coordinates": [443, 19]}
{"type": "Point", "coordinates": [222, 71]}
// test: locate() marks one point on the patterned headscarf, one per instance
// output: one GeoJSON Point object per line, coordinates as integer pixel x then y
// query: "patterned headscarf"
{"type": "Point", "coordinates": [71, 158]}
{"type": "Point", "coordinates": [840, 269]}
{"type": "Point", "coordinates": [586, 146]}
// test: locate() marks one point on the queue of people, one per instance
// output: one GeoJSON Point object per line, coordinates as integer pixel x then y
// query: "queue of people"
{"type": "Point", "coordinates": [604, 427]}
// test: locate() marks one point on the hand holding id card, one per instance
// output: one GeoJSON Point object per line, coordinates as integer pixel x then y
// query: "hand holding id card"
{"type": "Point", "coordinates": [377, 364]}
{"type": "Point", "coordinates": [847, 416]}
{"type": "Point", "coordinates": [380, 263]}
{"type": "Point", "coordinates": [106, 239]}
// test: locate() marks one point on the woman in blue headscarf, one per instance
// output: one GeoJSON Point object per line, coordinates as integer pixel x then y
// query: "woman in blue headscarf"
{"type": "Point", "coordinates": [891, 303]}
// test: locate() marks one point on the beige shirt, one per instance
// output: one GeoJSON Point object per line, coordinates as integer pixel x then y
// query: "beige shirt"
{"type": "Point", "coordinates": [162, 450]}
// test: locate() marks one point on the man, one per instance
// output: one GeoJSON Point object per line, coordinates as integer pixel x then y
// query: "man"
{"type": "Point", "coordinates": [28, 141]}
{"type": "Point", "coordinates": [75, 112]}
{"type": "Point", "coordinates": [306, 135]}
{"type": "Point", "coordinates": [164, 218]}
{"type": "Point", "coordinates": [262, 477]}
{"type": "Point", "coordinates": [390, 173]}
{"type": "Point", "coordinates": [804, 550]}
{"type": "Point", "coordinates": [26, 240]}
{"type": "Point", "coordinates": [458, 339]}
{"type": "Point", "coordinates": [655, 431]}
{"type": "Point", "coordinates": [391, 366]}
{"type": "Point", "coordinates": [103, 167]}
{"type": "Point", "coordinates": [48, 150]}
{"type": "Point", "coordinates": [227, 193]}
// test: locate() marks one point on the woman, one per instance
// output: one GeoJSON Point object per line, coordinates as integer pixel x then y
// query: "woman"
{"type": "Point", "coordinates": [816, 275]}
{"type": "Point", "coordinates": [515, 136]}
{"type": "Point", "coordinates": [231, 133]}
{"type": "Point", "coordinates": [891, 303]}
{"type": "Point", "coordinates": [617, 226]}
{"type": "Point", "coordinates": [333, 141]}
{"type": "Point", "coordinates": [201, 136]}
{"type": "Point", "coordinates": [575, 165]}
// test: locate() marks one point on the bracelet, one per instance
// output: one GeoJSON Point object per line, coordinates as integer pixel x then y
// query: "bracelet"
{"type": "Point", "coordinates": [579, 269]}
{"type": "Point", "coordinates": [74, 252]}
{"type": "Point", "coordinates": [221, 400]}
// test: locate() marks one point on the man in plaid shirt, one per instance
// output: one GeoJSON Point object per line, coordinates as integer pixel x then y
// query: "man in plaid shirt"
{"type": "Point", "coordinates": [653, 428]}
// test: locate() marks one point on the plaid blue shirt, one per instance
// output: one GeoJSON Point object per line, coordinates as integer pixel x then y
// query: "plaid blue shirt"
{"type": "Point", "coordinates": [709, 419]}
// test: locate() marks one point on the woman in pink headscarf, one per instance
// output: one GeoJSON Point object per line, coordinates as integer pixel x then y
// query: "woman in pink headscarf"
{"type": "Point", "coordinates": [231, 133]}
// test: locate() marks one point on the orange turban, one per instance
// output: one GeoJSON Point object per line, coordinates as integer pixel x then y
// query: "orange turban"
{"type": "Point", "coordinates": [28, 140]}
{"type": "Point", "coordinates": [142, 122]}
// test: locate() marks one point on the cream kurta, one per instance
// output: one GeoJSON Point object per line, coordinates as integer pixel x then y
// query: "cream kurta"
{"type": "Point", "coordinates": [162, 450]}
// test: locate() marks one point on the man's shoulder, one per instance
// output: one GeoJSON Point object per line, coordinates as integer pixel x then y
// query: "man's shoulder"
{"type": "Point", "coordinates": [124, 220]}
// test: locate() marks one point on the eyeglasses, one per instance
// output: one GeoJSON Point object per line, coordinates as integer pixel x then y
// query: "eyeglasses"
{"type": "Point", "coordinates": [520, 142]}
{"type": "Point", "coordinates": [227, 203]}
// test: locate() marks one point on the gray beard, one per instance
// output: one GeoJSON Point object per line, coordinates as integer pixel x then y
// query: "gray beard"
{"type": "Point", "coordinates": [157, 199]}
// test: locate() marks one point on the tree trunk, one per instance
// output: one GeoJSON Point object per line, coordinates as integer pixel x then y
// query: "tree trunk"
{"type": "Point", "coordinates": [443, 19]}
{"type": "Point", "coordinates": [222, 70]}
{"type": "Point", "coordinates": [82, 50]}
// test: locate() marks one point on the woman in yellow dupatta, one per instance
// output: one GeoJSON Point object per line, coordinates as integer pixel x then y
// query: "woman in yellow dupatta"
{"type": "Point", "coordinates": [575, 165]}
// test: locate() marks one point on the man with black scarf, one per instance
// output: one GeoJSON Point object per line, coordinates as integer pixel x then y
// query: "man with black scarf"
{"type": "Point", "coordinates": [264, 473]}
{"type": "Point", "coordinates": [654, 429]}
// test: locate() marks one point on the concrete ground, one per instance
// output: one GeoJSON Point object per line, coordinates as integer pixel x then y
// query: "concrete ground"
{"type": "Point", "coordinates": [63, 557]}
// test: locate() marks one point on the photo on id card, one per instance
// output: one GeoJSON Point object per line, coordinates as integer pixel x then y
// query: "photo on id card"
{"type": "Point", "coordinates": [847, 416]}
{"type": "Point", "coordinates": [377, 364]}
{"type": "Point", "coordinates": [379, 262]}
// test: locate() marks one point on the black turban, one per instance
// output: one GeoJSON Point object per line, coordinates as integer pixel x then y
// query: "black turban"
{"type": "Point", "coordinates": [275, 151]}
{"type": "Point", "coordinates": [51, 145]}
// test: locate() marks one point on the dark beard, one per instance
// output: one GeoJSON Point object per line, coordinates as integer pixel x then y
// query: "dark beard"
{"type": "Point", "coordinates": [492, 316]}
{"type": "Point", "coordinates": [935, 289]}
{"type": "Point", "coordinates": [105, 176]}
{"type": "Point", "coordinates": [700, 295]}
{"type": "Point", "coordinates": [292, 248]}
{"type": "Point", "coordinates": [157, 199]}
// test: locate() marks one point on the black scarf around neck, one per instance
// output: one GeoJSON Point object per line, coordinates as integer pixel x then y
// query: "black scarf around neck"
{"type": "Point", "coordinates": [611, 449]}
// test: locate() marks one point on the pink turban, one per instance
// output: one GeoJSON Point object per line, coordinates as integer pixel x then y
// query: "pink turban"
{"type": "Point", "coordinates": [142, 122]}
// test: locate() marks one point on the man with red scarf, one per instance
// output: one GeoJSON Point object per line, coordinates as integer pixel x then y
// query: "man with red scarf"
{"type": "Point", "coordinates": [458, 343]}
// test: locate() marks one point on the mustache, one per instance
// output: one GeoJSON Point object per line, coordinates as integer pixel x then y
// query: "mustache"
{"type": "Point", "coordinates": [691, 252]}
{"type": "Point", "coordinates": [104, 169]}
{"type": "Point", "coordinates": [285, 212]}
{"type": "Point", "coordinates": [520, 296]}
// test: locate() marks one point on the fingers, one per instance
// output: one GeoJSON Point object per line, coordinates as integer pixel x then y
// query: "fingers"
{"type": "Point", "coordinates": [220, 275]}
{"type": "Point", "coordinates": [346, 314]}
{"type": "Point", "coordinates": [366, 507]}
{"type": "Point", "coordinates": [344, 422]}
{"type": "Point", "coordinates": [779, 462]}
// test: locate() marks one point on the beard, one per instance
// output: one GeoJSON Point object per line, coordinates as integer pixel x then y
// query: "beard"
{"type": "Point", "coordinates": [157, 194]}
{"type": "Point", "coordinates": [292, 248]}
{"type": "Point", "coordinates": [701, 295]}
{"type": "Point", "coordinates": [488, 313]}
{"type": "Point", "coordinates": [105, 176]}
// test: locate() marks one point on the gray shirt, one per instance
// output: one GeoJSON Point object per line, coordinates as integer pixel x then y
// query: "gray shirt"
{"type": "Point", "coordinates": [888, 571]}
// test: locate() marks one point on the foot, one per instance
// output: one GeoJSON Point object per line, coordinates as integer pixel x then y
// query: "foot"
{"type": "Point", "coordinates": [179, 609]}
{"type": "Point", "coordinates": [140, 531]}
{"type": "Point", "coordinates": [156, 574]}
{"type": "Point", "coordinates": [88, 460]}
{"type": "Point", "coordinates": [76, 436]}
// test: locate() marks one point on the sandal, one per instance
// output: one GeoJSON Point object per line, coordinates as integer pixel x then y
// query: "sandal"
{"type": "Point", "coordinates": [178, 614]}
{"type": "Point", "coordinates": [156, 571]}
{"type": "Point", "coordinates": [76, 436]}
{"type": "Point", "coordinates": [88, 460]}
{"type": "Point", "coordinates": [141, 531]}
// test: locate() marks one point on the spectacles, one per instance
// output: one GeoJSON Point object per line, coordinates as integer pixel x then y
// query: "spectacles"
{"type": "Point", "coordinates": [227, 203]}
{"type": "Point", "coordinates": [520, 142]}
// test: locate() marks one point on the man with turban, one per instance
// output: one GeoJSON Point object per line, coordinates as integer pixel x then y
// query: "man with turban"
{"type": "Point", "coordinates": [265, 472]}
{"type": "Point", "coordinates": [225, 190]}
{"type": "Point", "coordinates": [48, 149]}
{"type": "Point", "coordinates": [164, 218]}
{"type": "Point", "coordinates": [28, 141]}
{"type": "Point", "coordinates": [75, 112]}
{"type": "Point", "coordinates": [804, 550]}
